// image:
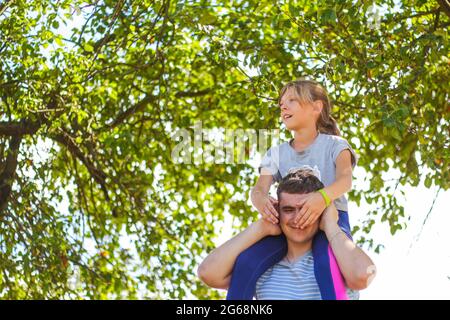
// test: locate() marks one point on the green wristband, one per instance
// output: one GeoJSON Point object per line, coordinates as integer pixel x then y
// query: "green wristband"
{"type": "Point", "coordinates": [325, 196]}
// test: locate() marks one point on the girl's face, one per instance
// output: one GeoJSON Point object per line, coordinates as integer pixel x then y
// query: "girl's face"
{"type": "Point", "coordinates": [296, 114]}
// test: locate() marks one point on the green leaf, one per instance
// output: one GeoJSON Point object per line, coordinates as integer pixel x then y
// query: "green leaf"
{"type": "Point", "coordinates": [96, 172]}
{"type": "Point", "coordinates": [88, 47]}
{"type": "Point", "coordinates": [207, 18]}
{"type": "Point", "coordinates": [328, 16]}
{"type": "Point", "coordinates": [428, 181]}
{"type": "Point", "coordinates": [58, 41]}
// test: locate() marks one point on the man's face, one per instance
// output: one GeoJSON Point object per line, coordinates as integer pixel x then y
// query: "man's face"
{"type": "Point", "coordinates": [289, 210]}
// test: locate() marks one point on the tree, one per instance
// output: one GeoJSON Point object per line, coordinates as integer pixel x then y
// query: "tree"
{"type": "Point", "coordinates": [101, 86]}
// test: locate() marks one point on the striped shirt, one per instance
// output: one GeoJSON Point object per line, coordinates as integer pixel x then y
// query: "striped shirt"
{"type": "Point", "coordinates": [292, 281]}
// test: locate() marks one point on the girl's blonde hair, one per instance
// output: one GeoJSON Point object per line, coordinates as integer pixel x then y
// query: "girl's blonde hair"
{"type": "Point", "coordinates": [310, 91]}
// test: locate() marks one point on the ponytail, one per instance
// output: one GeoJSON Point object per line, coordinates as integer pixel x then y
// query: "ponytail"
{"type": "Point", "coordinates": [326, 123]}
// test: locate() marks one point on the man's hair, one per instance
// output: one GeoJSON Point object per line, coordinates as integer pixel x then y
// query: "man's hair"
{"type": "Point", "coordinates": [299, 181]}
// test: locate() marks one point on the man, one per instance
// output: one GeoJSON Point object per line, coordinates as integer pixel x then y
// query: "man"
{"type": "Point", "coordinates": [295, 277]}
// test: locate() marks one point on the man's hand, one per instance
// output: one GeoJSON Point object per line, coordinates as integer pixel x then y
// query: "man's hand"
{"type": "Point", "coordinates": [329, 218]}
{"type": "Point", "coordinates": [356, 266]}
{"type": "Point", "coordinates": [217, 267]}
{"type": "Point", "coordinates": [312, 207]}
{"type": "Point", "coordinates": [268, 228]}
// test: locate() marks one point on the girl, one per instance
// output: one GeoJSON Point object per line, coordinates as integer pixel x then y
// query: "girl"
{"type": "Point", "coordinates": [305, 110]}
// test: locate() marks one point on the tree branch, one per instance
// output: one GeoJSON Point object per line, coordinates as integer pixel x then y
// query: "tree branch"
{"type": "Point", "coordinates": [445, 6]}
{"type": "Point", "coordinates": [9, 170]}
{"type": "Point", "coordinates": [129, 112]}
{"type": "Point", "coordinates": [416, 15]}
{"type": "Point", "coordinates": [4, 6]}
{"type": "Point", "coordinates": [14, 128]}
{"type": "Point", "coordinates": [200, 93]}
{"type": "Point", "coordinates": [67, 141]}
{"type": "Point", "coordinates": [417, 237]}
{"type": "Point", "coordinates": [29, 126]}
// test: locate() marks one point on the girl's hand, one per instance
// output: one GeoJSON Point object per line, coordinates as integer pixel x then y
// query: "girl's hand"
{"type": "Point", "coordinates": [313, 206]}
{"type": "Point", "coordinates": [268, 212]}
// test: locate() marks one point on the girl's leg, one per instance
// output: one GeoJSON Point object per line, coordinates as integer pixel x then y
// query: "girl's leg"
{"type": "Point", "coordinates": [252, 263]}
{"type": "Point", "coordinates": [329, 278]}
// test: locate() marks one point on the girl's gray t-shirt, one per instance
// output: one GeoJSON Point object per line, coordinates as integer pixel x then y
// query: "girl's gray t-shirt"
{"type": "Point", "coordinates": [320, 155]}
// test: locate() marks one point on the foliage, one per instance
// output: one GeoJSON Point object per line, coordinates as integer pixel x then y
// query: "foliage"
{"type": "Point", "coordinates": [102, 86]}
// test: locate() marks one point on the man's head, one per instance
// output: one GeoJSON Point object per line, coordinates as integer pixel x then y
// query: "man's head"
{"type": "Point", "coordinates": [291, 190]}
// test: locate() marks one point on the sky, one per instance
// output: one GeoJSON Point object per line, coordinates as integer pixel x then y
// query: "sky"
{"type": "Point", "coordinates": [409, 268]}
